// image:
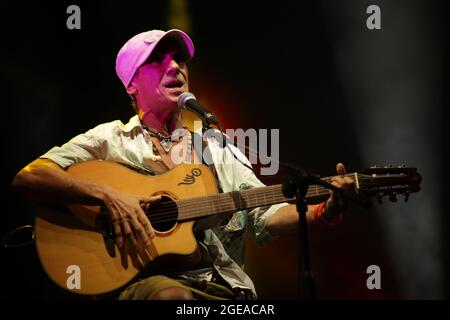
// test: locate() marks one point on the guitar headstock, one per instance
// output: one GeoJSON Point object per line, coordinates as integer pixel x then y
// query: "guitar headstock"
{"type": "Point", "coordinates": [389, 181]}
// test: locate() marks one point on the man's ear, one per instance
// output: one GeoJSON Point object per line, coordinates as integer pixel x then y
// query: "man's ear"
{"type": "Point", "coordinates": [131, 90]}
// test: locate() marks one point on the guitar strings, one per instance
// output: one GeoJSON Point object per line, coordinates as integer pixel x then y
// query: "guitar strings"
{"type": "Point", "coordinates": [168, 211]}
{"type": "Point", "coordinates": [276, 188]}
{"type": "Point", "coordinates": [205, 203]}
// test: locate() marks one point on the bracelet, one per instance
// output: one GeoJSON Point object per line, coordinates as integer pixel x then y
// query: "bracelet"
{"type": "Point", "coordinates": [319, 216]}
{"type": "Point", "coordinates": [318, 211]}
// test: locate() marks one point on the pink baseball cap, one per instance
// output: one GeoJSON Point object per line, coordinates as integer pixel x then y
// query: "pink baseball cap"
{"type": "Point", "coordinates": [137, 50]}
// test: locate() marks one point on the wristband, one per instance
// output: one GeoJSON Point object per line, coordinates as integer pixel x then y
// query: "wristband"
{"type": "Point", "coordinates": [319, 216]}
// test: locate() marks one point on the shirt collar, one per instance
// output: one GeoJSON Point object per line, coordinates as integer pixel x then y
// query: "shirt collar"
{"type": "Point", "coordinates": [133, 123]}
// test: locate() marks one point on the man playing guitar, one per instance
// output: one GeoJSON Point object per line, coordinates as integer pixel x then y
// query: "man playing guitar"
{"type": "Point", "coordinates": [153, 69]}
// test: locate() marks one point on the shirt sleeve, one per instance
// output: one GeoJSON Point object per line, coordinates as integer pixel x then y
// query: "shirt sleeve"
{"type": "Point", "coordinates": [91, 145]}
{"type": "Point", "coordinates": [258, 217]}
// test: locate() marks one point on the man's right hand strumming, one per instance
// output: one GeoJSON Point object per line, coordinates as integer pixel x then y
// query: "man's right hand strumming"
{"type": "Point", "coordinates": [128, 216]}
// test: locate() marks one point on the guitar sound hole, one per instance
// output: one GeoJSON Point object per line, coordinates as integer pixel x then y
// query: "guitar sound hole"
{"type": "Point", "coordinates": [163, 216]}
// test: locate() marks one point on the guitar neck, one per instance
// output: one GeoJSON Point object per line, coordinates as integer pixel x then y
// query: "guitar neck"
{"type": "Point", "coordinates": [199, 207]}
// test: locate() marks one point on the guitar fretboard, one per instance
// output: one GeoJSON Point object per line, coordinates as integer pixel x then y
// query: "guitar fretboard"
{"type": "Point", "coordinates": [239, 200]}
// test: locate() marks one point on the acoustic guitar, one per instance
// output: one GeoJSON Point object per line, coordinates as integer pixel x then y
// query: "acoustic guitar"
{"type": "Point", "coordinates": [76, 243]}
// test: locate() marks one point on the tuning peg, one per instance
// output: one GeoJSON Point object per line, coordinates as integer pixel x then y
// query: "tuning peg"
{"type": "Point", "coordinates": [406, 195]}
{"type": "Point", "coordinates": [380, 198]}
{"type": "Point", "coordinates": [393, 197]}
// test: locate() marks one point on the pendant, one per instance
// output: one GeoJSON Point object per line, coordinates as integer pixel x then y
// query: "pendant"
{"type": "Point", "coordinates": [166, 144]}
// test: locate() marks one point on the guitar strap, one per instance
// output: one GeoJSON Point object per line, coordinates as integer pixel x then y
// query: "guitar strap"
{"type": "Point", "coordinates": [198, 151]}
{"type": "Point", "coordinates": [198, 148]}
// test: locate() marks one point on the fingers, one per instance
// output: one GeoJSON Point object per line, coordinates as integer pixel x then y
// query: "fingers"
{"type": "Point", "coordinates": [147, 226]}
{"type": "Point", "coordinates": [144, 227]}
{"type": "Point", "coordinates": [128, 233]}
{"type": "Point", "coordinates": [130, 220]}
{"type": "Point", "coordinates": [143, 219]}
{"type": "Point", "coordinates": [117, 232]}
{"type": "Point", "coordinates": [148, 200]}
{"type": "Point", "coordinates": [340, 169]}
{"type": "Point", "coordinates": [342, 181]}
{"type": "Point", "coordinates": [135, 227]}
{"type": "Point", "coordinates": [336, 204]}
{"type": "Point", "coordinates": [122, 230]}
{"type": "Point", "coordinates": [140, 231]}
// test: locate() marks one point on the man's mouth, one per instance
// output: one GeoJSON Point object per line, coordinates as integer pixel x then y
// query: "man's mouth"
{"type": "Point", "coordinates": [174, 84]}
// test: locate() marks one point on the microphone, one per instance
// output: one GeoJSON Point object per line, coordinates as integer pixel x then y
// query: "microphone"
{"type": "Point", "coordinates": [187, 100]}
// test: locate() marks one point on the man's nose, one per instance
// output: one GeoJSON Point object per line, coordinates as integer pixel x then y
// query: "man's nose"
{"type": "Point", "coordinates": [173, 65]}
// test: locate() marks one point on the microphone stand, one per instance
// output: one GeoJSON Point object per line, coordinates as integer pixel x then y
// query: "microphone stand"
{"type": "Point", "coordinates": [297, 186]}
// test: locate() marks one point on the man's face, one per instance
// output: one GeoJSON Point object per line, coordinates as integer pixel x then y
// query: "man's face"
{"type": "Point", "coordinates": [161, 79]}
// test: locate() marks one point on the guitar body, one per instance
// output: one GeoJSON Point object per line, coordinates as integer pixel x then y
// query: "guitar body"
{"type": "Point", "coordinates": [75, 244]}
